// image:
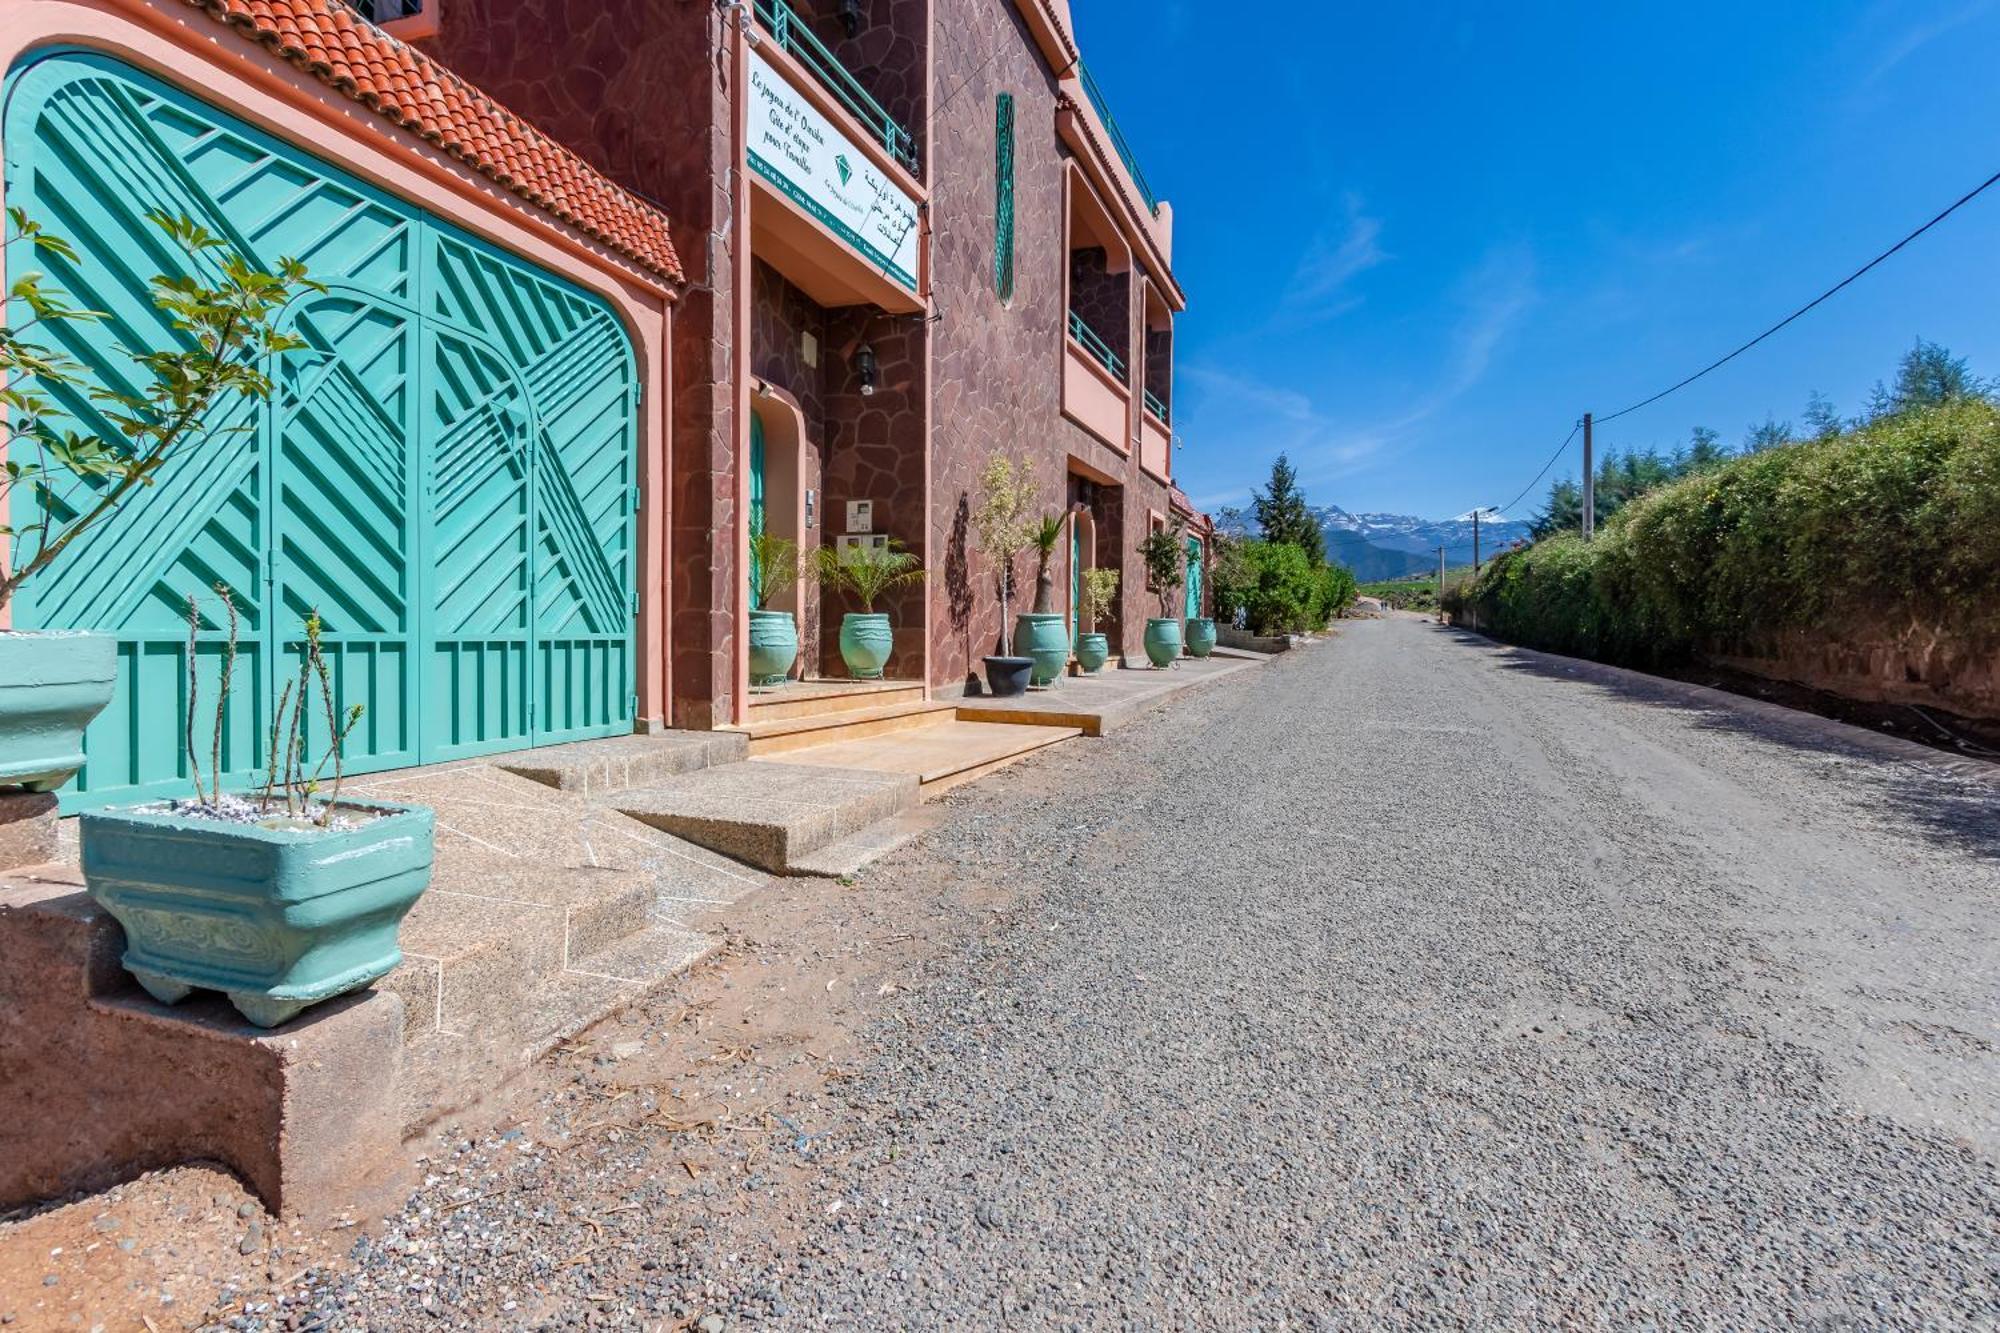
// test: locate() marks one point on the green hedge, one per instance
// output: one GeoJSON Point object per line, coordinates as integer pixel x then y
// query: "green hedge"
{"type": "Point", "coordinates": [1278, 588]}
{"type": "Point", "coordinates": [1895, 521]}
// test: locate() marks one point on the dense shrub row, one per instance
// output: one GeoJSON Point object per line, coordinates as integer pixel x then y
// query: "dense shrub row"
{"type": "Point", "coordinates": [1278, 588]}
{"type": "Point", "coordinates": [1894, 521]}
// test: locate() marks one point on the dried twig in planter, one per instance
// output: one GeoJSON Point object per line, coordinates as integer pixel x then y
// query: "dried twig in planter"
{"type": "Point", "coordinates": [194, 691]}
{"type": "Point", "coordinates": [222, 700]}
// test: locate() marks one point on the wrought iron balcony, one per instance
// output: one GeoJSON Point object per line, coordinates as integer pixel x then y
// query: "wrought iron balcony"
{"type": "Point", "coordinates": [1125, 153]}
{"type": "Point", "coordinates": [797, 40]}
{"type": "Point", "coordinates": [1156, 406]}
{"type": "Point", "coordinates": [1088, 339]}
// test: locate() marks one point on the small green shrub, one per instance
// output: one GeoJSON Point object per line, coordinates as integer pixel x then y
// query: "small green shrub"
{"type": "Point", "coordinates": [1276, 587]}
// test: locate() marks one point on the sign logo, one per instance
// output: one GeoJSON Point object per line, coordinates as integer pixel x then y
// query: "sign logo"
{"type": "Point", "coordinates": [841, 165]}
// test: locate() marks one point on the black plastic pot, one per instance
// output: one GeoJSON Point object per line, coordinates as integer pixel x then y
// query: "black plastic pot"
{"type": "Point", "coordinates": [1007, 677]}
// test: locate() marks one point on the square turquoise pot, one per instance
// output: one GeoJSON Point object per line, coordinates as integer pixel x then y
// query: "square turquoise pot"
{"type": "Point", "coordinates": [276, 918]}
{"type": "Point", "coordinates": [51, 685]}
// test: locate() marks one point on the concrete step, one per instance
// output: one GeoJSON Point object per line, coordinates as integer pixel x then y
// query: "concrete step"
{"type": "Point", "coordinates": [475, 946]}
{"type": "Point", "coordinates": [806, 698]}
{"type": "Point", "coordinates": [940, 756]}
{"type": "Point", "coordinates": [769, 813]}
{"type": "Point", "coordinates": [852, 854]}
{"type": "Point", "coordinates": [616, 763]}
{"type": "Point", "coordinates": [444, 1073]}
{"type": "Point", "coordinates": [779, 735]}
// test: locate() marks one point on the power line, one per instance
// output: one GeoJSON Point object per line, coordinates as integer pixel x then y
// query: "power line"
{"type": "Point", "coordinates": [1560, 450]}
{"type": "Point", "coordinates": [1717, 364]}
{"type": "Point", "coordinates": [1961, 202]}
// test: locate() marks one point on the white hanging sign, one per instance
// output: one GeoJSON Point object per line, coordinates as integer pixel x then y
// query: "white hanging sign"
{"type": "Point", "coordinates": [804, 154]}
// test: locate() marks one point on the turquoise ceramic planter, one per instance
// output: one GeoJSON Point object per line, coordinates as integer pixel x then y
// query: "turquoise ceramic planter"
{"type": "Point", "coordinates": [774, 646]}
{"type": "Point", "coordinates": [865, 643]}
{"type": "Point", "coordinates": [1200, 636]}
{"type": "Point", "coordinates": [1092, 652]}
{"type": "Point", "coordinates": [51, 685]}
{"type": "Point", "coordinates": [276, 918]}
{"type": "Point", "coordinates": [1044, 636]}
{"type": "Point", "coordinates": [1163, 641]}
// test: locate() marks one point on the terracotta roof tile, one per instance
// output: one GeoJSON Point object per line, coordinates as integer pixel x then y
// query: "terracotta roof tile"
{"type": "Point", "coordinates": [354, 57]}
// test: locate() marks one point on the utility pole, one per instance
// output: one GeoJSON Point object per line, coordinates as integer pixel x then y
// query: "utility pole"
{"type": "Point", "coordinates": [1475, 543]}
{"type": "Point", "coordinates": [1440, 585]}
{"type": "Point", "coordinates": [1589, 484]}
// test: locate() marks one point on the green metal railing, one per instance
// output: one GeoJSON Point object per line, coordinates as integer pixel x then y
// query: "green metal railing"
{"type": "Point", "coordinates": [798, 41]}
{"type": "Point", "coordinates": [1087, 338]}
{"type": "Point", "coordinates": [1125, 153]}
{"type": "Point", "coordinates": [1155, 405]}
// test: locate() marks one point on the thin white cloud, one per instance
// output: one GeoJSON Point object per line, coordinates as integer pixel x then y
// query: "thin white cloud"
{"type": "Point", "coordinates": [1335, 260]}
{"type": "Point", "coordinates": [1247, 416]}
{"type": "Point", "coordinates": [1913, 39]}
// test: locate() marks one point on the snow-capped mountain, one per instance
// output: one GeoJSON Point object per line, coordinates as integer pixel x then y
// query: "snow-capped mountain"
{"type": "Point", "coordinates": [1387, 546]}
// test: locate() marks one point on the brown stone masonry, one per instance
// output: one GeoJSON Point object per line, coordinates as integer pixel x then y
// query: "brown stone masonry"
{"type": "Point", "coordinates": [999, 366]}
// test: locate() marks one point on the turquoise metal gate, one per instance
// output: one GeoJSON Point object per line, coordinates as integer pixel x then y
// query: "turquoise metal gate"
{"type": "Point", "coordinates": [447, 475]}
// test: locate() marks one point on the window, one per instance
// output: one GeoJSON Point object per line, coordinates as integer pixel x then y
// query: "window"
{"type": "Point", "coordinates": [1003, 196]}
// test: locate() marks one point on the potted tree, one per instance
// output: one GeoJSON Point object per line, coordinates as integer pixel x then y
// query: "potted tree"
{"type": "Point", "coordinates": [1165, 561]}
{"type": "Point", "coordinates": [1095, 595]}
{"type": "Point", "coordinates": [774, 635]}
{"type": "Point", "coordinates": [867, 574]}
{"type": "Point", "coordinates": [1043, 633]}
{"type": "Point", "coordinates": [281, 897]}
{"type": "Point", "coordinates": [1006, 499]}
{"type": "Point", "coordinates": [57, 482]}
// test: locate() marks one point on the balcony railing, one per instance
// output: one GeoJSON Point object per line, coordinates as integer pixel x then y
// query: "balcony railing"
{"type": "Point", "coordinates": [790, 32]}
{"type": "Point", "coordinates": [1156, 406]}
{"type": "Point", "coordinates": [1125, 153]}
{"type": "Point", "coordinates": [1087, 338]}
{"type": "Point", "coordinates": [386, 11]}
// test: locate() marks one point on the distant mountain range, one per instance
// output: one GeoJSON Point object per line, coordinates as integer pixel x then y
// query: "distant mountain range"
{"type": "Point", "coordinates": [1388, 546]}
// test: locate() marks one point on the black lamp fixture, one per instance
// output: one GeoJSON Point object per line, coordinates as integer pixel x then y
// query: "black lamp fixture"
{"type": "Point", "coordinates": [850, 17]}
{"type": "Point", "coordinates": [866, 369]}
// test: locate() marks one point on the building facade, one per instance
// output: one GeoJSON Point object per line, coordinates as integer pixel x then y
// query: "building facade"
{"type": "Point", "coordinates": [917, 238]}
{"type": "Point", "coordinates": [607, 288]}
{"type": "Point", "coordinates": [461, 471]}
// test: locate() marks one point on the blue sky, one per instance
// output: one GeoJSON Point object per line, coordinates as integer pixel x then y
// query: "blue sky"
{"type": "Point", "coordinates": [1420, 240]}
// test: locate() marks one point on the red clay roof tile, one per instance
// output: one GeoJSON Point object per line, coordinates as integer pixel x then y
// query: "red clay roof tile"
{"type": "Point", "coordinates": [354, 57]}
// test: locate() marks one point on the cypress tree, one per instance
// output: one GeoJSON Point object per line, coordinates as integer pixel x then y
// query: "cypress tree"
{"type": "Point", "coordinates": [1282, 516]}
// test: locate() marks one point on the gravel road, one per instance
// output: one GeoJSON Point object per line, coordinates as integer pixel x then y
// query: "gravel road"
{"type": "Point", "coordinates": [1407, 981]}
{"type": "Point", "coordinates": [1418, 980]}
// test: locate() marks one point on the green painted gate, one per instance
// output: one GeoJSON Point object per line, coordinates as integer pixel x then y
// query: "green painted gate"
{"type": "Point", "coordinates": [447, 474]}
{"type": "Point", "coordinates": [756, 497]}
{"type": "Point", "coordinates": [1194, 575]}
{"type": "Point", "coordinates": [1075, 578]}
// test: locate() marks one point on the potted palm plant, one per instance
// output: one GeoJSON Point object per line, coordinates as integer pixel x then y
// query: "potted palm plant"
{"type": "Point", "coordinates": [867, 574]}
{"type": "Point", "coordinates": [281, 897]}
{"type": "Point", "coordinates": [1165, 561]}
{"type": "Point", "coordinates": [57, 482]}
{"type": "Point", "coordinates": [774, 635]}
{"type": "Point", "coordinates": [1043, 633]}
{"type": "Point", "coordinates": [1004, 526]}
{"type": "Point", "coordinates": [1095, 595]}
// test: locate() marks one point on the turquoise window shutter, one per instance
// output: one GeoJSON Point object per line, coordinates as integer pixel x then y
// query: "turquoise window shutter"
{"type": "Point", "coordinates": [1003, 196]}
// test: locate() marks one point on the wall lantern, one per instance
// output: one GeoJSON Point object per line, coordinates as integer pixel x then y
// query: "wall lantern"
{"type": "Point", "coordinates": [850, 17]}
{"type": "Point", "coordinates": [865, 369]}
